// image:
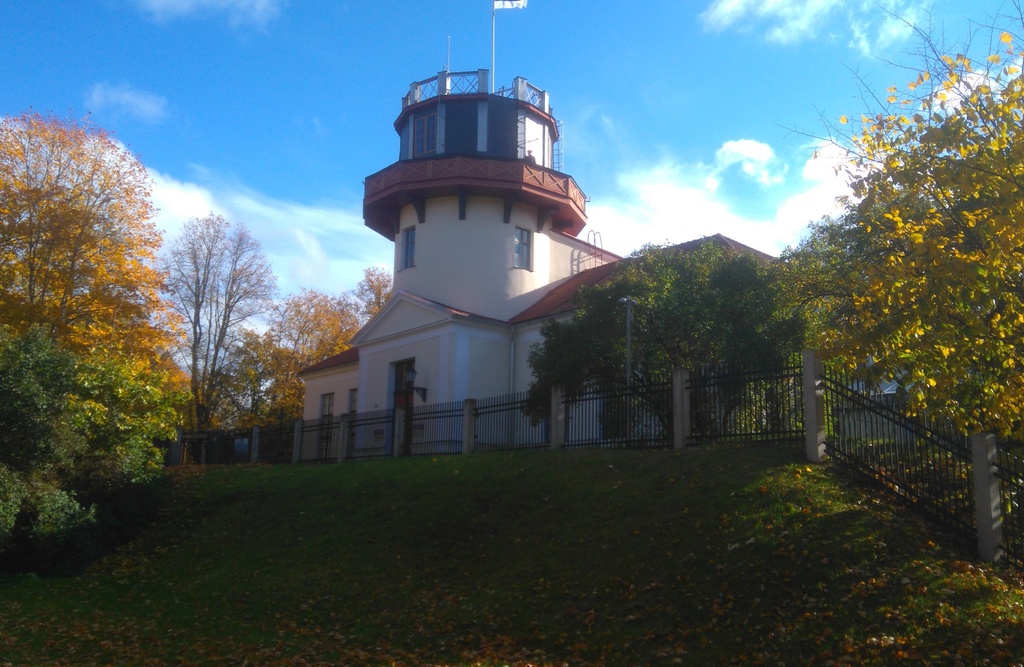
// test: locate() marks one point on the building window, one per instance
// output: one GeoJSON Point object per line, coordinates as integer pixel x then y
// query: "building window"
{"type": "Point", "coordinates": [424, 135]}
{"type": "Point", "coordinates": [409, 248]}
{"type": "Point", "coordinates": [353, 399]}
{"type": "Point", "coordinates": [327, 404]}
{"type": "Point", "coordinates": [521, 251]}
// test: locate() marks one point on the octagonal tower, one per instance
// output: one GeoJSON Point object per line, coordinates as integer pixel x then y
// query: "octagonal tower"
{"type": "Point", "coordinates": [481, 220]}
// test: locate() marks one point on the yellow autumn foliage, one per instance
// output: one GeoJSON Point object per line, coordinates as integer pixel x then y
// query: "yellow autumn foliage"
{"type": "Point", "coordinates": [77, 247]}
{"type": "Point", "coordinates": [936, 282]}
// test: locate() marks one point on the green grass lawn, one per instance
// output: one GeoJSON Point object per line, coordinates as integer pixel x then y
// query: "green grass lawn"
{"type": "Point", "coordinates": [731, 554]}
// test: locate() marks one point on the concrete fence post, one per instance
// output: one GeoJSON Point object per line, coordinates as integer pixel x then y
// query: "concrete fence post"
{"type": "Point", "coordinates": [987, 504]}
{"type": "Point", "coordinates": [175, 455]}
{"type": "Point", "coordinates": [557, 418]}
{"type": "Point", "coordinates": [342, 438]}
{"type": "Point", "coordinates": [680, 408]}
{"type": "Point", "coordinates": [254, 445]}
{"type": "Point", "coordinates": [468, 425]}
{"type": "Point", "coordinates": [297, 441]}
{"type": "Point", "coordinates": [814, 407]}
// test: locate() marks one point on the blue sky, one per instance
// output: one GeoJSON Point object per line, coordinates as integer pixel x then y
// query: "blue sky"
{"type": "Point", "coordinates": [681, 119]}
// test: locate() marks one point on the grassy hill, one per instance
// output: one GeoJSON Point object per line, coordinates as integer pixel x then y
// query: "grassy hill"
{"type": "Point", "coordinates": [732, 554]}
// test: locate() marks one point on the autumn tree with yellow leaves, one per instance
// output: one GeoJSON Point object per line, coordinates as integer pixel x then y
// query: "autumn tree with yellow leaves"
{"type": "Point", "coordinates": [304, 328]}
{"type": "Point", "coordinates": [77, 246]}
{"type": "Point", "coordinates": [924, 274]}
{"type": "Point", "coordinates": [85, 385]}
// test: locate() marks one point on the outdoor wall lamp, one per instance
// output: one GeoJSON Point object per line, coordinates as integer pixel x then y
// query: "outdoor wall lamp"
{"type": "Point", "coordinates": [410, 380]}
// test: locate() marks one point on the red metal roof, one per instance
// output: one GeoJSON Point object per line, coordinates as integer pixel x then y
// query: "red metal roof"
{"type": "Point", "coordinates": [561, 298]}
{"type": "Point", "coordinates": [349, 356]}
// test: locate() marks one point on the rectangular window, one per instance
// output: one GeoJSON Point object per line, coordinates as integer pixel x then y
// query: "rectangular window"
{"type": "Point", "coordinates": [521, 252]}
{"type": "Point", "coordinates": [409, 248]}
{"type": "Point", "coordinates": [327, 404]}
{"type": "Point", "coordinates": [424, 135]}
{"type": "Point", "coordinates": [353, 399]}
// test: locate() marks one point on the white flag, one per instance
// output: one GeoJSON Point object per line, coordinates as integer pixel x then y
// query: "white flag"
{"type": "Point", "coordinates": [509, 4]}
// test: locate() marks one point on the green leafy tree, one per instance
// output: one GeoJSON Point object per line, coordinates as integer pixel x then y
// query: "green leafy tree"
{"type": "Point", "coordinates": [76, 445]}
{"type": "Point", "coordinates": [36, 446]}
{"type": "Point", "coordinates": [696, 304]}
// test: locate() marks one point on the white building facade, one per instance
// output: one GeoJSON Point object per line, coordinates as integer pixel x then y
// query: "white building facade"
{"type": "Point", "coordinates": [486, 250]}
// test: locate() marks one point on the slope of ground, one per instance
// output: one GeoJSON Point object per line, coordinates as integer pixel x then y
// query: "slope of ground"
{"type": "Point", "coordinates": [732, 554]}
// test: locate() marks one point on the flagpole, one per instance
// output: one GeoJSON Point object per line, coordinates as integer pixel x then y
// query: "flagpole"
{"type": "Point", "coordinates": [492, 46]}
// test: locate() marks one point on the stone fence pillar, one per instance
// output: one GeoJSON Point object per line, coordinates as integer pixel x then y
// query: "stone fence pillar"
{"type": "Point", "coordinates": [468, 425]}
{"type": "Point", "coordinates": [557, 418]}
{"type": "Point", "coordinates": [987, 504]}
{"type": "Point", "coordinates": [814, 407]}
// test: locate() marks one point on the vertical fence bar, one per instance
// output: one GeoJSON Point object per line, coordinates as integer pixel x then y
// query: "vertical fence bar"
{"type": "Point", "coordinates": [987, 496]}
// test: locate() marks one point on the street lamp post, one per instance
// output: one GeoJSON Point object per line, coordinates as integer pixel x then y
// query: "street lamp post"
{"type": "Point", "coordinates": [629, 338]}
{"type": "Point", "coordinates": [629, 302]}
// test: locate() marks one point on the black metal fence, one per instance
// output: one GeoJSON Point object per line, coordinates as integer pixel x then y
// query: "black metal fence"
{"type": "Point", "coordinates": [371, 434]}
{"type": "Point", "coordinates": [514, 421]}
{"type": "Point", "coordinates": [216, 447]}
{"type": "Point", "coordinates": [276, 443]}
{"type": "Point", "coordinates": [925, 463]}
{"type": "Point", "coordinates": [320, 439]}
{"type": "Point", "coordinates": [433, 429]}
{"type": "Point", "coordinates": [764, 404]}
{"type": "Point", "coordinates": [1010, 471]}
{"type": "Point", "coordinates": [638, 417]}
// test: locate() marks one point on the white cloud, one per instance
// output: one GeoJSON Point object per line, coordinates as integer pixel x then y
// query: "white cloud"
{"type": "Point", "coordinates": [876, 26]}
{"type": "Point", "coordinates": [756, 159]}
{"type": "Point", "coordinates": [317, 247]}
{"type": "Point", "coordinates": [673, 203]}
{"type": "Point", "coordinates": [256, 12]}
{"type": "Point", "coordinates": [123, 100]}
{"type": "Point", "coordinates": [873, 24]}
{"type": "Point", "coordinates": [789, 20]}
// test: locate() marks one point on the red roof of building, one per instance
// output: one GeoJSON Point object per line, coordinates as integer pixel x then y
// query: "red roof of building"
{"type": "Point", "coordinates": [561, 299]}
{"type": "Point", "coordinates": [349, 356]}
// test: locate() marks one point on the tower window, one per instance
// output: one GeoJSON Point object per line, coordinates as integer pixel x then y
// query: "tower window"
{"type": "Point", "coordinates": [521, 250]}
{"type": "Point", "coordinates": [424, 135]}
{"type": "Point", "coordinates": [409, 248]}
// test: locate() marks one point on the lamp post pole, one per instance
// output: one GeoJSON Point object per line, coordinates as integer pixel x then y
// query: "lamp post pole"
{"type": "Point", "coordinates": [629, 338]}
{"type": "Point", "coordinates": [629, 302]}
